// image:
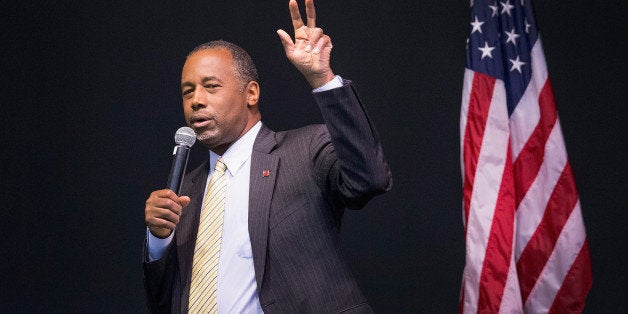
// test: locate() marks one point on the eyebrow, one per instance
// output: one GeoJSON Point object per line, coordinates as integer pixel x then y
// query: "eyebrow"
{"type": "Point", "coordinates": [204, 80]}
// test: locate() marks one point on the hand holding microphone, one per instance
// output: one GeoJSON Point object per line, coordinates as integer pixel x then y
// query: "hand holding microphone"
{"type": "Point", "coordinates": [164, 207]}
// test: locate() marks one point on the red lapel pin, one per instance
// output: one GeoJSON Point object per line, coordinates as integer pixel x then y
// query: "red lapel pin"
{"type": "Point", "coordinates": [266, 173]}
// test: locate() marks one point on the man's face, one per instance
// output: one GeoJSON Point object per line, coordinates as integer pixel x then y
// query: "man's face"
{"type": "Point", "coordinates": [214, 103]}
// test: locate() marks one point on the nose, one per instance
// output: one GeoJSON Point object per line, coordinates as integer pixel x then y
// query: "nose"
{"type": "Point", "coordinates": [199, 100]}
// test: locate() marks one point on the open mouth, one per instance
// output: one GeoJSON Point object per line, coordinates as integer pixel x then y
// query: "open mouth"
{"type": "Point", "coordinates": [198, 122]}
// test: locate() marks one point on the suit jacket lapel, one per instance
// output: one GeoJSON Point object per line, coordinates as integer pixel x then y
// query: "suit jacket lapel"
{"type": "Point", "coordinates": [264, 169]}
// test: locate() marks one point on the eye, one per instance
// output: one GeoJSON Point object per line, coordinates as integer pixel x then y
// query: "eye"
{"type": "Point", "coordinates": [187, 91]}
{"type": "Point", "coordinates": [212, 86]}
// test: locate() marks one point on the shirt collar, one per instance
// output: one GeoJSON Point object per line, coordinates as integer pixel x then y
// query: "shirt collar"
{"type": "Point", "coordinates": [238, 152]}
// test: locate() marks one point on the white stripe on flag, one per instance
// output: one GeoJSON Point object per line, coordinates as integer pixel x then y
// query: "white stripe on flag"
{"type": "Point", "coordinates": [488, 179]}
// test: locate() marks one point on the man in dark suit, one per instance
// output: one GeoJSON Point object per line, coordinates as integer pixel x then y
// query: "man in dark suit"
{"type": "Point", "coordinates": [278, 247]}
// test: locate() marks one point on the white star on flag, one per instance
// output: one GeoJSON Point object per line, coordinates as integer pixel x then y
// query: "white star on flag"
{"type": "Point", "coordinates": [486, 50]}
{"type": "Point", "coordinates": [512, 36]}
{"type": "Point", "coordinates": [516, 64]}
{"type": "Point", "coordinates": [494, 8]}
{"type": "Point", "coordinates": [507, 7]}
{"type": "Point", "coordinates": [477, 26]}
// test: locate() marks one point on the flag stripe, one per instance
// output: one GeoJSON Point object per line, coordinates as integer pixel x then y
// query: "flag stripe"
{"type": "Point", "coordinates": [485, 192]}
{"type": "Point", "coordinates": [479, 103]}
{"type": "Point", "coordinates": [567, 247]}
{"type": "Point", "coordinates": [526, 116]}
{"type": "Point", "coordinates": [531, 210]}
{"type": "Point", "coordinates": [575, 286]}
{"type": "Point", "coordinates": [529, 161]}
{"type": "Point", "coordinates": [511, 300]}
{"type": "Point", "coordinates": [541, 245]}
{"type": "Point", "coordinates": [498, 252]}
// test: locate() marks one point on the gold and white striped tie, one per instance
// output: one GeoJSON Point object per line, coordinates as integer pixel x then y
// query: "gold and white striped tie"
{"type": "Point", "coordinates": [207, 249]}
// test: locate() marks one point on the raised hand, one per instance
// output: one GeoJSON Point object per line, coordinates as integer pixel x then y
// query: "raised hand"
{"type": "Point", "coordinates": [311, 49]}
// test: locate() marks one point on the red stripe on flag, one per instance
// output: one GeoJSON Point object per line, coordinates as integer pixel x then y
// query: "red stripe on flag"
{"type": "Point", "coordinates": [541, 244]}
{"type": "Point", "coordinates": [530, 158]}
{"type": "Point", "coordinates": [577, 283]}
{"type": "Point", "coordinates": [499, 247]}
{"type": "Point", "coordinates": [479, 104]}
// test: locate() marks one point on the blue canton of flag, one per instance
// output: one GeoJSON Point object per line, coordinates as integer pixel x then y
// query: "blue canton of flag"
{"type": "Point", "coordinates": [500, 44]}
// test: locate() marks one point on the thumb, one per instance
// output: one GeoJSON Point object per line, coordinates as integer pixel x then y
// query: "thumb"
{"type": "Point", "coordinates": [286, 41]}
{"type": "Point", "coordinates": [184, 201]}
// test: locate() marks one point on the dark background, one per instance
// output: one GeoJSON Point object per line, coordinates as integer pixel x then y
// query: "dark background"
{"type": "Point", "coordinates": [90, 102]}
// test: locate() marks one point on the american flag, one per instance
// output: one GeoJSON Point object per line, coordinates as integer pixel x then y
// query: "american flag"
{"type": "Point", "coordinates": [526, 246]}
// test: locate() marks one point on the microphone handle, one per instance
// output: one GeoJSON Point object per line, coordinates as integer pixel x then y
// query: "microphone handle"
{"type": "Point", "coordinates": [177, 171]}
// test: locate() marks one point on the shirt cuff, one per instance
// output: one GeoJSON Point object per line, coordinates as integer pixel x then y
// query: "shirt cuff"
{"type": "Point", "coordinates": [334, 83]}
{"type": "Point", "coordinates": [156, 246]}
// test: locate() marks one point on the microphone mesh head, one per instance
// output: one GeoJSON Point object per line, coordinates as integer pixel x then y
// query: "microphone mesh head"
{"type": "Point", "coordinates": [185, 136]}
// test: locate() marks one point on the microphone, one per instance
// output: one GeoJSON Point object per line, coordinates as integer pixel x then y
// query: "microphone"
{"type": "Point", "coordinates": [184, 138]}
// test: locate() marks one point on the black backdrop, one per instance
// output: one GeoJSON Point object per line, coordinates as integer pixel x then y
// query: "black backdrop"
{"type": "Point", "coordinates": [90, 103]}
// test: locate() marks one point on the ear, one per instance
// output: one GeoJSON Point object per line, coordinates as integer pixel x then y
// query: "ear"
{"type": "Point", "coordinates": [252, 93]}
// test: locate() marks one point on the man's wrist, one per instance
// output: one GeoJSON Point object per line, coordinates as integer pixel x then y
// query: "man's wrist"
{"type": "Point", "coordinates": [156, 246]}
{"type": "Point", "coordinates": [335, 82]}
{"type": "Point", "coordinates": [317, 81]}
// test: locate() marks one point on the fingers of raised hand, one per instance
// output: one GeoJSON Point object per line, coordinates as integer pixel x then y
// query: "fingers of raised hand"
{"type": "Point", "coordinates": [323, 43]}
{"type": "Point", "coordinates": [286, 40]}
{"type": "Point", "coordinates": [297, 22]}
{"type": "Point", "coordinates": [316, 40]}
{"type": "Point", "coordinates": [310, 12]}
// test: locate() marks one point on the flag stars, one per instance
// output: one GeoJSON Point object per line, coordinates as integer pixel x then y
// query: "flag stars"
{"type": "Point", "coordinates": [516, 64]}
{"type": "Point", "coordinates": [487, 51]}
{"type": "Point", "coordinates": [477, 26]}
{"type": "Point", "coordinates": [506, 7]}
{"type": "Point", "coordinates": [512, 36]}
{"type": "Point", "coordinates": [494, 9]}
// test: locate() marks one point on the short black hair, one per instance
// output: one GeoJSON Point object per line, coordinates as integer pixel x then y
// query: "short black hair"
{"type": "Point", "coordinates": [245, 69]}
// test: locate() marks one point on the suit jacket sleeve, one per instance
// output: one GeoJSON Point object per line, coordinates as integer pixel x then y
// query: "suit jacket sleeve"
{"type": "Point", "coordinates": [353, 168]}
{"type": "Point", "coordinates": [158, 279]}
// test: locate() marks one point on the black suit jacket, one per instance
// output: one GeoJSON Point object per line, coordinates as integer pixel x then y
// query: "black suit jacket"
{"type": "Point", "coordinates": [315, 173]}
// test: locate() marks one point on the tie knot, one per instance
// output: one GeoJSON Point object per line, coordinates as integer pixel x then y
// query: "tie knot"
{"type": "Point", "coordinates": [220, 166]}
